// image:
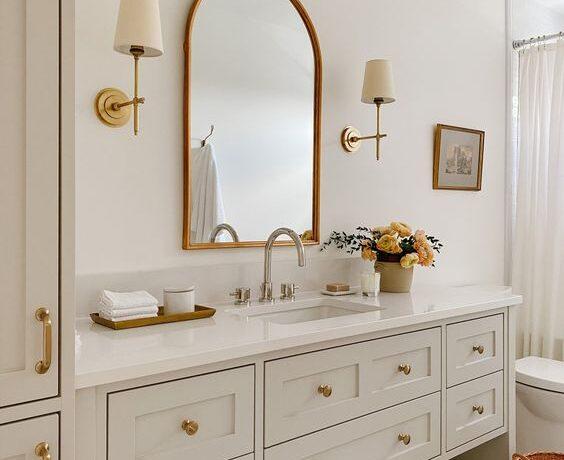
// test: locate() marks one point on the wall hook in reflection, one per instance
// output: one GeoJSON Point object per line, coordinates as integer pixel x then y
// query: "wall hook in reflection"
{"type": "Point", "coordinates": [208, 136]}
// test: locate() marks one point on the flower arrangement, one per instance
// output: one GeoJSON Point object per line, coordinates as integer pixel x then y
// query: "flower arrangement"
{"type": "Point", "coordinates": [393, 243]}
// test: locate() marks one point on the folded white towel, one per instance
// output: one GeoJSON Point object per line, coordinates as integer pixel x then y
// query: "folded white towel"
{"type": "Point", "coordinates": [121, 300]}
{"type": "Point", "coordinates": [126, 318]}
{"type": "Point", "coordinates": [120, 312]}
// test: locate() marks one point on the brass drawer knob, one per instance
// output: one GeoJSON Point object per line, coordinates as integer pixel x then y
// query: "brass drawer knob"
{"type": "Point", "coordinates": [405, 368]}
{"type": "Point", "coordinates": [325, 390]}
{"type": "Point", "coordinates": [405, 438]}
{"type": "Point", "coordinates": [478, 408]}
{"type": "Point", "coordinates": [42, 451]}
{"type": "Point", "coordinates": [42, 315]}
{"type": "Point", "coordinates": [190, 426]}
{"type": "Point", "coordinates": [479, 348]}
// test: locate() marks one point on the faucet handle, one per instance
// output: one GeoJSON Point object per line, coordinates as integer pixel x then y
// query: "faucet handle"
{"type": "Point", "coordinates": [288, 291]}
{"type": "Point", "coordinates": [242, 296]}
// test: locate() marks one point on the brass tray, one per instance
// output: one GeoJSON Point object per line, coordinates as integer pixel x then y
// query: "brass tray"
{"type": "Point", "coordinates": [199, 313]}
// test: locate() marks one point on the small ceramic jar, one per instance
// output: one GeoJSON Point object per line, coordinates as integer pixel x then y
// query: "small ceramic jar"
{"type": "Point", "coordinates": [178, 300]}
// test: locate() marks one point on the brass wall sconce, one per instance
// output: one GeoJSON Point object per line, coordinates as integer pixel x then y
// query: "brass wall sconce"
{"type": "Point", "coordinates": [378, 89]}
{"type": "Point", "coordinates": [138, 33]}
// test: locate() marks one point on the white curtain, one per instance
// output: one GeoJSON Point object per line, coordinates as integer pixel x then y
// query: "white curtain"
{"type": "Point", "coordinates": [538, 244]}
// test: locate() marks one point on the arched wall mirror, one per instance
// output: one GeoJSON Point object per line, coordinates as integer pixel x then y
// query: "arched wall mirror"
{"type": "Point", "coordinates": [252, 114]}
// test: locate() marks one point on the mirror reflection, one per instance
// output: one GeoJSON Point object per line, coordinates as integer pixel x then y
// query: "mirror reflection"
{"type": "Point", "coordinates": [253, 74]}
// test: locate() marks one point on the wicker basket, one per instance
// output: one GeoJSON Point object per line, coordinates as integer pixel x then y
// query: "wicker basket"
{"type": "Point", "coordinates": [540, 456]}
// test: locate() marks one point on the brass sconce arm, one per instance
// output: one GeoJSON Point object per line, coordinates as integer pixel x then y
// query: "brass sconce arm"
{"type": "Point", "coordinates": [351, 138]}
{"type": "Point", "coordinates": [112, 105]}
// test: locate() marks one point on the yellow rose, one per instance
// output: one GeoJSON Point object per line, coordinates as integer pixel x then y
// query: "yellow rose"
{"type": "Point", "coordinates": [368, 254]}
{"type": "Point", "coordinates": [389, 244]}
{"type": "Point", "coordinates": [425, 252]}
{"type": "Point", "coordinates": [404, 230]}
{"type": "Point", "coordinates": [409, 260]}
{"type": "Point", "coordinates": [384, 230]}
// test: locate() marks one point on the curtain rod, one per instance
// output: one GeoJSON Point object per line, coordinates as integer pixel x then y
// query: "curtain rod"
{"type": "Point", "coordinates": [530, 41]}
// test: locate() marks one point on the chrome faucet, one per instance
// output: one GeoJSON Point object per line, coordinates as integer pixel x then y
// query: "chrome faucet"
{"type": "Point", "coordinates": [266, 285]}
{"type": "Point", "coordinates": [228, 228]}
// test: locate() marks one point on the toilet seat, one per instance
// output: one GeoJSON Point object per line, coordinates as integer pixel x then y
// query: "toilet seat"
{"type": "Point", "coordinates": [543, 373]}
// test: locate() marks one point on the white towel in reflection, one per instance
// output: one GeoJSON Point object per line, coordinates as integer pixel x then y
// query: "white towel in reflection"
{"type": "Point", "coordinates": [207, 201]}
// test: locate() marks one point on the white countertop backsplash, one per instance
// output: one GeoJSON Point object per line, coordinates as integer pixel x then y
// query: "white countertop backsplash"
{"type": "Point", "coordinates": [104, 355]}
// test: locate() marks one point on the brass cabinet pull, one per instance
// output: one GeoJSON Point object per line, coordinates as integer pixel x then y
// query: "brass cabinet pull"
{"type": "Point", "coordinates": [479, 409]}
{"type": "Point", "coordinates": [42, 450]}
{"type": "Point", "coordinates": [479, 348]}
{"type": "Point", "coordinates": [325, 390]}
{"type": "Point", "coordinates": [42, 315]}
{"type": "Point", "coordinates": [405, 438]}
{"type": "Point", "coordinates": [405, 368]}
{"type": "Point", "coordinates": [190, 426]}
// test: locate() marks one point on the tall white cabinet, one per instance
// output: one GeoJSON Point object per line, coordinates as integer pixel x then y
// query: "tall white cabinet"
{"type": "Point", "coordinates": [31, 222]}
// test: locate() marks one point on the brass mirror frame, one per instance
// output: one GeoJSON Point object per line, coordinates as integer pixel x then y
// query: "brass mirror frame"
{"type": "Point", "coordinates": [186, 243]}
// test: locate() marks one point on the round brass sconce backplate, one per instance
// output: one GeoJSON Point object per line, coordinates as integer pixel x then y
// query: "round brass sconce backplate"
{"type": "Point", "coordinates": [103, 105]}
{"type": "Point", "coordinates": [349, 139]}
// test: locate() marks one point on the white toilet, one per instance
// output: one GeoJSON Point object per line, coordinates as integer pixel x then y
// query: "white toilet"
{"type": "Point", "coordinates": [540, 405]}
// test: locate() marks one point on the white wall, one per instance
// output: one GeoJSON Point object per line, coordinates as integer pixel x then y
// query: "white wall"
{"type": "Point", "coordinates": [532, 18]}
{"type": "Point", "coordinates": [449, 62]}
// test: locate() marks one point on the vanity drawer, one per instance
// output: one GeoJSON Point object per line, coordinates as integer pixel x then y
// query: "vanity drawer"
{"type": "Point", "coordinates": [148, 422]}
{"type": "Point", "coordinates": [464, 404]}
{"type": "Point", "coordinates": [373, 436]}
{"type": "Point", "coordinates": [358, 379]}
{"type": "Point", "coordinates": [474, 349]}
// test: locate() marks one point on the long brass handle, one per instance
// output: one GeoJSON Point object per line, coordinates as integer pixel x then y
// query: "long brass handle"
{"type": "Point", "coordinates": [405, 438]}
{"type": "Point", "coordinates": [42, 315]}
{"type": "Point", "coordinates": [405, 368]}
{"type": "Point", "coordinates": [42, 450]}
{"type": "Point", "coordinates": [479, 348]}
{"type": "Point", "coordinates": [478, 408]}
{"type": "Point", "coordinates": [325, 390]}
{"type": "Point", "coordinates": [190, 426]}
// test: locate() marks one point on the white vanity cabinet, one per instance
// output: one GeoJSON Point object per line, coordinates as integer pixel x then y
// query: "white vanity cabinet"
{"type": "Point", "coordinates": [435, 389]}
{"type": "Point", "coordinates": [32, 439]}
{"type": "Point", "coordinates": [205, 417]}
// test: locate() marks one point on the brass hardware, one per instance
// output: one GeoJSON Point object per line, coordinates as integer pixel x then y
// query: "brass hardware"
{"type": "Point", "coordinates": [113, 107]}
{"type": "Point", "coordinates": [479, 348]}
{"type": "Point", "coordinates": [325, 390]}
{"type": "Point", "coordinates": [479, 409]}
{"type": "Point", "coordinates": [405, 438]}
{"type": "Point", "coordinates": [42, 450]}
{"type": "Point", "coordinates": [351, 138]}
{"type": "Point", "coordinates": [42, 315]}
{"type": "Point", "coordinates": [190, 426]}
{"type": "Point", "coordinates": [405, 368]}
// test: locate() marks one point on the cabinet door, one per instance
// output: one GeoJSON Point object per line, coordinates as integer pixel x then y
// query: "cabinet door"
{"type": "Point", "coordinates": [29, 169]}
{"type": "Point", "coordinates": [30, 439]}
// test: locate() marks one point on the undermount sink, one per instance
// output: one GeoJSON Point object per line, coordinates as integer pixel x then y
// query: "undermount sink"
{"type": "Point", "coordinates": [303, 315]}
{"type": "Point", "coordinates": [305, 311]}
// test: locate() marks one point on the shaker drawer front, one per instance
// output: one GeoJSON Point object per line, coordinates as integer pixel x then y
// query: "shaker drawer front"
{"type": "Point", "coordinates": [474, 409]}
{"type": "Point", "coordinates": [205, 417]}
{"type": "Point", "coordinates": [410, 431]}
{"type": "Point", "coordinates": [474, 349]}
{"type": "Point", "coordinates": [30, 439]}
{"type": "Point", "coordinates": [313, 391]}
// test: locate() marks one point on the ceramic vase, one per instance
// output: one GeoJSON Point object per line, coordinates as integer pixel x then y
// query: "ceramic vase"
{"type": "Point", "coordinates": [393, 277]}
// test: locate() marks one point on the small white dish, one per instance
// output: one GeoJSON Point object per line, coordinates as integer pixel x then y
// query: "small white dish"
{"type": "Point", "coordinates": [339, 293]}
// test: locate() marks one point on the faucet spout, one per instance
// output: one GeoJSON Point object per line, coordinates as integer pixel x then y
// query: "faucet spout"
{"type": "Point", "coordinates": [266, 286]}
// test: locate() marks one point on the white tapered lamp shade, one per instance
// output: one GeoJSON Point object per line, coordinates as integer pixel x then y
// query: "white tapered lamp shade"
{"type": "Point", "coordinates": [139, 25]}
{"type": "Point", "coordinates": [378, 82]}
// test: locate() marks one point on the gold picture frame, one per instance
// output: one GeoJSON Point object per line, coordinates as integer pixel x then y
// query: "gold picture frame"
{"type": "Point", "coordinates": [458, 158]}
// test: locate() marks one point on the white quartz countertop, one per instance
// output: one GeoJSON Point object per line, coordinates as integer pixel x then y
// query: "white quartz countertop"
{"type": "Point", "coordinates": [105, 356]}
